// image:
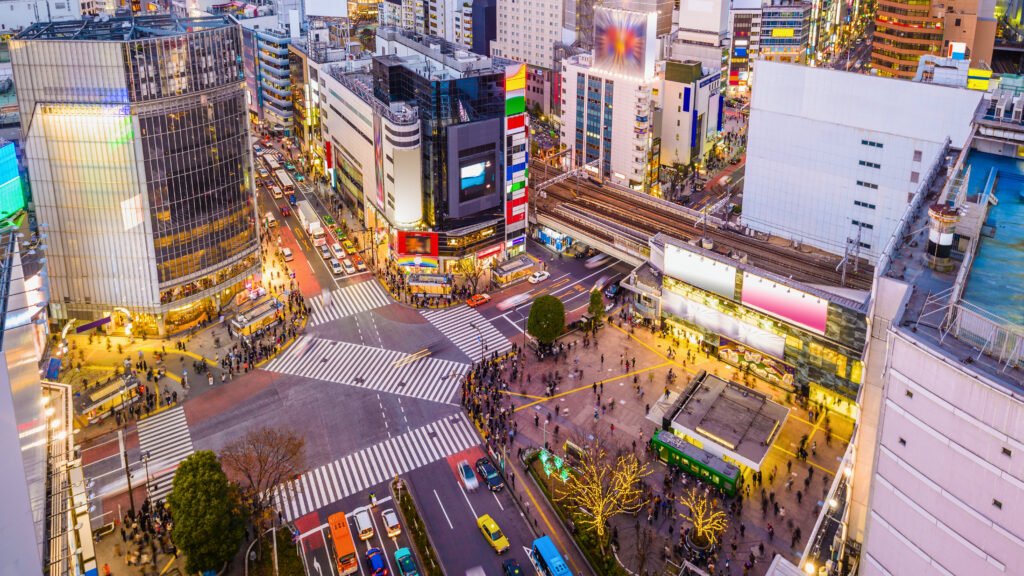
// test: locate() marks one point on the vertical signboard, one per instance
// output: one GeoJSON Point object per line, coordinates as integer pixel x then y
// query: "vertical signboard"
{"type": "Point", "coordinates": [517, 151]}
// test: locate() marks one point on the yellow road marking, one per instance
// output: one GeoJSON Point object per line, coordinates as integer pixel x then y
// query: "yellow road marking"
{"type": "Point", "coordinates": [590, 386]}
{"type": "Point", "coordinates": [784, 451]}
{"type": "Point", "coordinates": [551, 529]}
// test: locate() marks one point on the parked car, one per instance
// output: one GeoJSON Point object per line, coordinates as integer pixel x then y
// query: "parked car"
{"type": "Point", "coordinates": [490, 475]}
{"type": "Point", "coordinates": [539, 276]}
{"type": "Point", "coordinates": [349, 246]}
{"type": "Point", "coordinates": [287, 254]}
{"type": "Point", "coordinates": [405, 562]}
{"type": "Point", "coordinates": [478, 300]}
{"type": "Point", "coordinates": [336, 268]}
{"type": "Point", "coordinates": [375, 562]}
{"type": "Point", "coordinates": [325, 252]}
{"type": "Point", "coordinates": [467, 476]}
{"type": "Point", "coordinates": [347, 265]}
{"type": "Point", "coordinates": [493, 535]}
{"type": "Point", "coordinates": [390, 520]}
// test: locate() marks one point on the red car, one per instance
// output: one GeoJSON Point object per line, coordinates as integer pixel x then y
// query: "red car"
{"type": "Point", "coordinates": [285, 210]}
{"type": "Point", "coordinates": [478, 300]}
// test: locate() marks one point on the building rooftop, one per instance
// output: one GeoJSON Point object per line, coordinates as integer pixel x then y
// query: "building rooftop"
{"type": "Point", "coordinates": [960, 311]}
{"type": "Point", "coordinates": [122, 29]}
{"type": "Point", "coordinates": [454, 60]}
{"type": "Point", "coordinates": [355, 78]}
{"type": "Point", "coordinates": [741, 422]}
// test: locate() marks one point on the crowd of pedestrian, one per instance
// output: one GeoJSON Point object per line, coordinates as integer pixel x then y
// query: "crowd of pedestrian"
{"type": "Point", "coordinates": [482, 397]}
{"type": "Point", "coordinates": [146, 534]}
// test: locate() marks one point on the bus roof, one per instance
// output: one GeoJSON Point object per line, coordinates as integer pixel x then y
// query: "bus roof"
{"type": "Point", "coordinates": [547, 550]}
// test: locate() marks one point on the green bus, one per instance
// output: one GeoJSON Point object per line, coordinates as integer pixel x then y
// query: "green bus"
{"type": "Point", "coordinates": [679, 453]}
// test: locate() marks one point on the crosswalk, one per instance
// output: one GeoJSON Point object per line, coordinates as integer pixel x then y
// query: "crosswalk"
{"type": "Point", "coordinates": [348, 300]}
{"type": "Point", "coordinates": [373, 465]}
{"type": "Point", "coordinates": [460, 324]}
{"type": "Point", "coordinates": [371, 368]}
{"type": "Point", "coordinates": [166, 438]}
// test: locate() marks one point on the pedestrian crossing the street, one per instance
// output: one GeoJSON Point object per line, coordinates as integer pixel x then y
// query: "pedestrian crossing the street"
{"type": "Point", "coordinates": [372, 368]}
{"type": "Point", "coordinates": [165, 437]}
{"type": "Point", "coordinates": [374, 465]}
{"type": "Point", "coordinates": [348, 300]}
{"type": "Point", "coordinates": [466, 327]}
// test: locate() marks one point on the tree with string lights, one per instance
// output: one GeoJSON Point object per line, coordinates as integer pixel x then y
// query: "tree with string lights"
{"type": "Point", "coordinates": [708, 522]}
{"type": "Point", "coordinates": [603, 487]}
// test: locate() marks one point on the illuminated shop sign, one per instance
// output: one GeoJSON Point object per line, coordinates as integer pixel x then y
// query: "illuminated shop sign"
{"type": "Point", "coordinates": [700, 271]}
{"type": "Point", "coordinates": [417, 243]}
{"type": "Point", "coordinates": [624, 42]}
{"type": "Point", "coordinates": [786, 303]}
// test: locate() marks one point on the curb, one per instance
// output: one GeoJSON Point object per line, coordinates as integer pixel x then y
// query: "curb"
{"type": "Point", "coordinates": [415, 502]}
{"type": "Point", "coordinates": [561, 522]}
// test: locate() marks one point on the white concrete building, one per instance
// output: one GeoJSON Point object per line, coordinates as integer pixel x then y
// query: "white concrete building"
{"type": "Point", "coordinates": [691, 112]}
{"type": "Point", "coordinates": [702, 32]}
{"type": "Point", "coordinates": [846, 151]}
{"type": "Point", "coordinates": [527, 31]}
{"type": "Point", "coordinates": [19, 14]}
{"type": "Point", "coordinates": [608, 103]}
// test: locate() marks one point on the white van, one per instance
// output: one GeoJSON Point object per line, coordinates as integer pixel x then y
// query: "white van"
{"type": "Point", "coordinates": [287, 253]}
{"type": "Point", "coordinates": [364, 524]}
{"type": "Point", "coordinates": [270, 220]}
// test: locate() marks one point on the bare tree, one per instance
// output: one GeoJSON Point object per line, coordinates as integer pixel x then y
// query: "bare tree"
{"type": "Point", "coordinates": [263, 459]}
{"type": "Point", "coordinates": [604, 487]}
{"type": "Point", "coordinates": [644, 542]}
{"type": "Point", "coordinates": [708, 522]}
{"type": "Point", "coordinates": [472, 270]}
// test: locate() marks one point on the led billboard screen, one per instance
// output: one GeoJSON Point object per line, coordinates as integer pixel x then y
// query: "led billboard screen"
{"type": "Point", "coordinates": [700, 271]}
{"type": "Point", "coordinates": [476, 180]}
{"type": "Point", "coordinates": [623, 42]}
{"type": "Point", "coordinates": [785, 303]}
{"type": "Point", "coordinates": [417, 243]}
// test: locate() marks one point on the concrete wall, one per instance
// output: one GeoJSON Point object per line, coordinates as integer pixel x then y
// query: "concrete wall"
{"type": "Point", "coordinates": [808, 128]}
{"type": "Point", "coordinates": [948, 492]}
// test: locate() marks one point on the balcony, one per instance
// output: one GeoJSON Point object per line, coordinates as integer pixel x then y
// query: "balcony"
{"type": "Point", "coordinates": [267, 57]}
{"type": "Point", "coordinates": [277, 73]}
{"type": "Point", "coordinates": [278, 49]}
{"type": "Point", "coordinates": [277, 90]}
{"type": "Point", "coordinates": [282, 104]}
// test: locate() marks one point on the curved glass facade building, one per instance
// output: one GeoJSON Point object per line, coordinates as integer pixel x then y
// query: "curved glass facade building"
{"type": "Point", "coordinates": [138, 150]}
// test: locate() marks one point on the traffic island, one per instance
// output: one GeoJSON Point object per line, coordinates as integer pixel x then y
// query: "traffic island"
{"type": "Point", "coordinates": [261, 561]}
{"type": "Point", "coordinates": [428, 561]}
{"type": "Point", "coordinates": [585, 540]}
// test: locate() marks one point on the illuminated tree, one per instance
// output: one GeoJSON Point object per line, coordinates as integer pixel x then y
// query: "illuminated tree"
{"type": "Point", "coordinates": [603, 488]}
{"type": "Point", "coordinates": [708, 523]}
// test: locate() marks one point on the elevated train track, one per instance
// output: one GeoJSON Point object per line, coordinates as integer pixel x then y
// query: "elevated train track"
{"type": "Point", "coordinates": [646, 216]}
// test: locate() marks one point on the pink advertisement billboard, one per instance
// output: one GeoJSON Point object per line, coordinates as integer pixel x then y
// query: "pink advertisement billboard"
{"type": "Point", "coordinates": [786, 303]}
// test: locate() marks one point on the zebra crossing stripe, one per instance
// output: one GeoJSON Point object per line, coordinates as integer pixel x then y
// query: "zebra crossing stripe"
{"type": "Point", "coordinates": [348, 300]}
{"type": "Point", "coordinates": [371, 368]}
{"type": "Point", "coordinates": [166, 438]}
{"type": "Point", "coordinates": [468, 330]}
{"type": "Point", "coordinates": [373, 465]}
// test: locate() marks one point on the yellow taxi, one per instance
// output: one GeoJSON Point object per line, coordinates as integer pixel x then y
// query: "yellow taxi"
{"type": "Point", "coordinates": [492, 533]}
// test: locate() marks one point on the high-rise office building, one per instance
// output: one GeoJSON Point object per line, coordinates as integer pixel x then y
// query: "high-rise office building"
{"type": "Point", "coordinates": [702, 32]}
{"type": "Point", "coordinates": [785, 31]}
{"type": "Point", "coordinates": [609, 100]}
{"type": "Point", "coordinates": [427, 144]}
{"type": "Point", "coordinates": [468, 23]}
{"type": "Point", "coordinates": [138, 150]}
{"type": "Point", "coordinates": [529, 31]}
{"type": "Point", "coordinates": [905, 30]}
{"type": "Point", "coordinates": [744, 45]}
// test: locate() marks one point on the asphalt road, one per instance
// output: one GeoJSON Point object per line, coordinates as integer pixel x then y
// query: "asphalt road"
{"type": "Point", "coordinates": [450, 513]}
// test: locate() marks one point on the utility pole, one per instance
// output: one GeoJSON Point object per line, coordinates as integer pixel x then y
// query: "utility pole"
{"type": "Point", "coordinates": [127, 472]}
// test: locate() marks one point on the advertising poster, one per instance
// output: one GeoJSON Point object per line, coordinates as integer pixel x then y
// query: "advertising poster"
{"type": "Point", "coordinates": [757, 363]}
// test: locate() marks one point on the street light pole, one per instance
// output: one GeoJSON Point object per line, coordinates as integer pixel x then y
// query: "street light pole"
{"type": "Point", "coordinates": [145, 461]}
{"type": "Point", "coordinates": [127, 472]}
{"type": "Point", "coordinates": [480, 337]}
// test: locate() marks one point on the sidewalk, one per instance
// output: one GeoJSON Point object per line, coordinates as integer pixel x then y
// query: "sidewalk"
{"type": "Point", "coordinates": [623, 402]}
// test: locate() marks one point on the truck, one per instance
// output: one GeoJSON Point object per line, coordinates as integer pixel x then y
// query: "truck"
{"type": "Point", "coordinates": [310, 223]}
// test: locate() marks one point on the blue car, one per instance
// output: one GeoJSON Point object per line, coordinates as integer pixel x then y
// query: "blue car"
{"type": "Point", "coordinates": [375, 562]}
{"type": "Point", "coordinates": [405, 562]}
{"type": "Point", "coordinates": [511, 568]}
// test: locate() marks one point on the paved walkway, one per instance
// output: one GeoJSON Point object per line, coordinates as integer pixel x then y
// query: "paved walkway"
{"type": "Point", "coordinates": [580, 407]}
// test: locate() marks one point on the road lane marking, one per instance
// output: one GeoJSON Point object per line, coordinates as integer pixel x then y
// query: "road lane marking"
{"type": "Point", "coordinates": [466, 496]}
{"type": "Point", "coordinates": [444, 511]}
{"type": "Point", "coordinates": [495, 494]}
